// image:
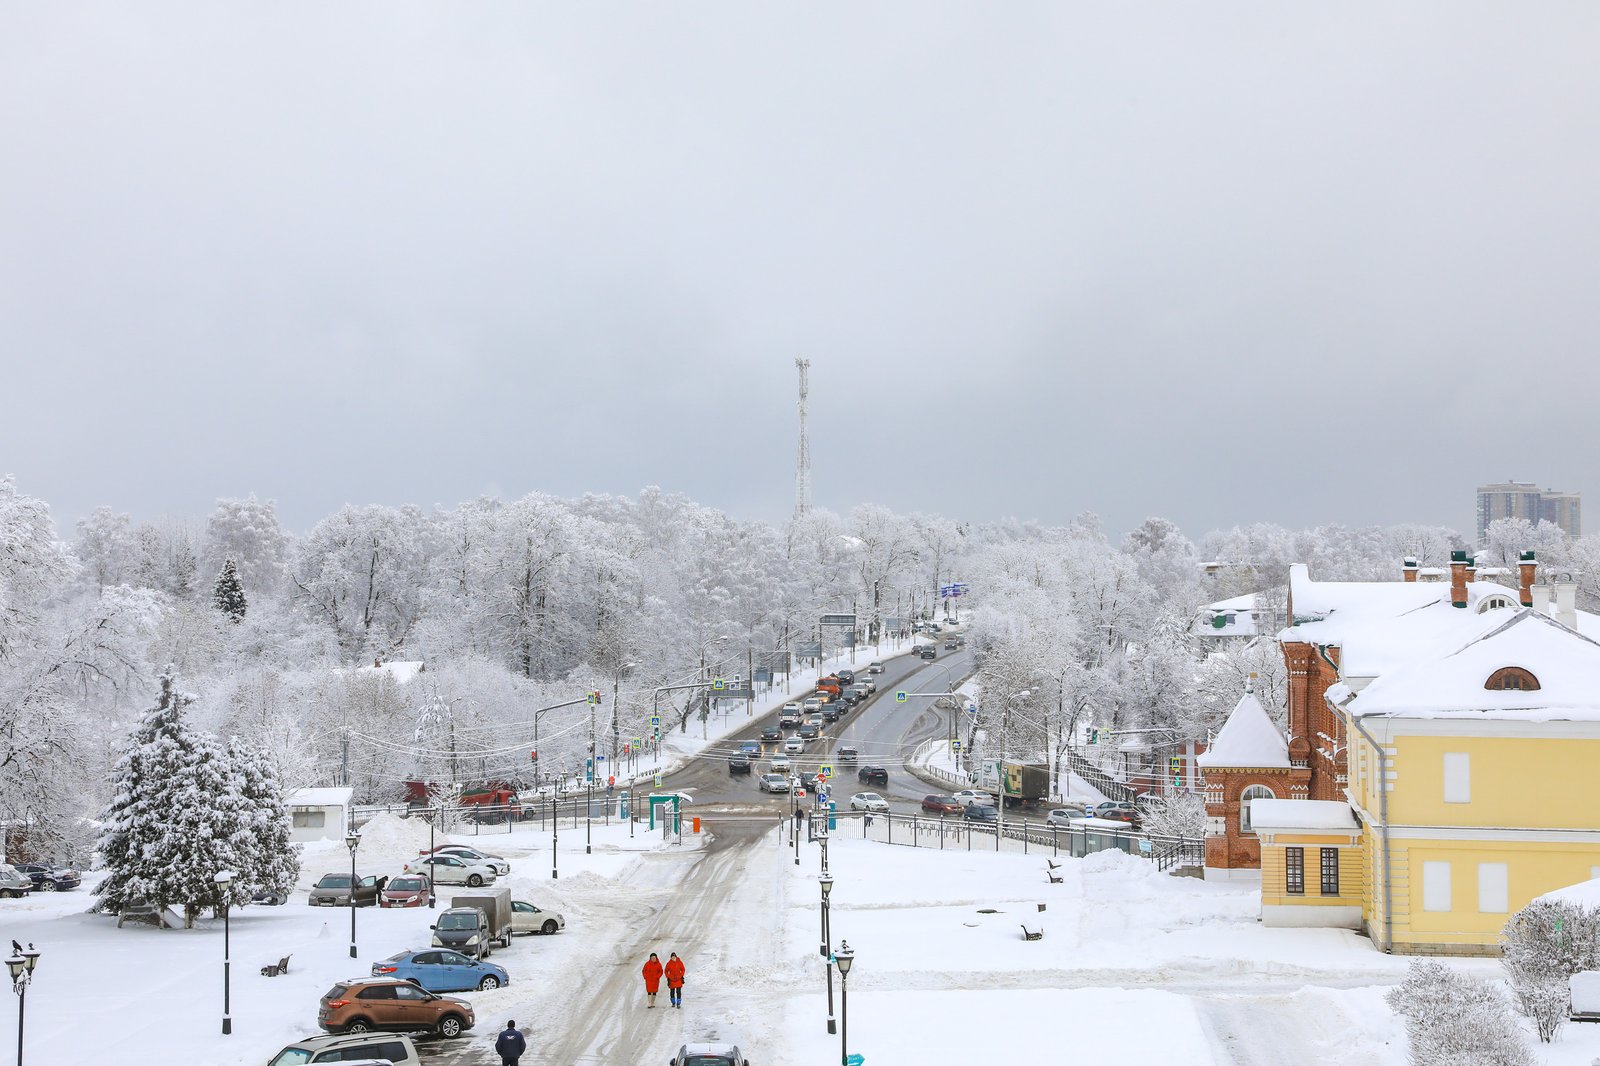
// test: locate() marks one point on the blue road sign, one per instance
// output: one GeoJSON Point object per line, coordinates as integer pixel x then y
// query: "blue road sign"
{"type": "Point", "coordinates": [899, 697]}
{"type": "Point", "coordinates": [655, 720]}
{"type": "Point", "coordinates": [854, 1060]}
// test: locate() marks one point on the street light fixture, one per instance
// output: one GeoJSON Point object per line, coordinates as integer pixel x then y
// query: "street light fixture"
{"type": "Point", "coordinates": [844, 958]}
{"type": "Point", "coordinates": [21, 964]}
{"type": "Point", "coordinates": [352, 840]}
{"type": "Point", "coordinates": [438, 812]}
{"type": "Point", "coordinates": [224, 880]}
{"type": "Point", "coordinates": [826, 881]}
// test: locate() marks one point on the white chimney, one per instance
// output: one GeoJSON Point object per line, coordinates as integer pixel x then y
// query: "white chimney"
{"type": "Point", "coordinates": [1566, 611]}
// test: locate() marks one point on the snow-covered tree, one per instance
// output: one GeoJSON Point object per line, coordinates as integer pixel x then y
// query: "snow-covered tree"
{"type": "Point", "coordinates": [1452, 1020]}
{"type": "Point", "coordinates": [227, 595]}
{"type": "Point", "coordinates": [178, 815]}
{"type": "Point", "coordinates": [1544, 944]}
{"type": "Point", "coordinates": [269, 862]}
{"type": "Point", "coordinates": [105, 547]}
{"type": "Point", "coordinates": [247, 532]}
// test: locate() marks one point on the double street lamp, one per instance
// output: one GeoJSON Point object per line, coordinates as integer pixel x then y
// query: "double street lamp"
{"type": "Point", "coordinates": [352, 840]}
{"type": "Point", "coordinates": [21, 964]}
{"type": "Point", "coordinates": [224, 882]}
{"type": "Point", "coordinates": [826, 881]}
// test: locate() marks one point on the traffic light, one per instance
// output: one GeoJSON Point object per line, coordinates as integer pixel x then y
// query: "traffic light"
{"type": "Point", "coordinates": [1094, 736]}
{"type": "Point", "coordinates": [534, 755]}
{"type": "Point", "coordinates": [1176, 762]}
{"type": "Point", "coordinates": [594, 698]}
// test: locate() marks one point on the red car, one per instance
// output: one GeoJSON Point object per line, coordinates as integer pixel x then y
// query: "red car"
{"type": "Point", "coordinates": [407, 890]}
{"type": "Point", "coordinates": [941, 805]}
{"type": "Point", "coordinates": [1117, 814]}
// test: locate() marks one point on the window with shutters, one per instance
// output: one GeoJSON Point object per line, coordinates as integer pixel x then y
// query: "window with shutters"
{"type": "Point", "coordinates": [1330, 871]}
{"type": "Point", "coordinates": [1294, 871]}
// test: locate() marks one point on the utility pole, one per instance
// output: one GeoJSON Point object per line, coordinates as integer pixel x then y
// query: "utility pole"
{"type": "Point", "coordinates": [616, 736]}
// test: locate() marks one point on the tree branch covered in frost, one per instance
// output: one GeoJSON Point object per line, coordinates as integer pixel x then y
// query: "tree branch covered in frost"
{"type": "Point", "coordinates": [1544, 944]}
{"type": "Point", "coordinates": [1454, 1021]}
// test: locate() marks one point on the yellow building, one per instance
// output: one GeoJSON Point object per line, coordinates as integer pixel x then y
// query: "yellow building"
{"type": "Point", "coordinates": [1473, 773]}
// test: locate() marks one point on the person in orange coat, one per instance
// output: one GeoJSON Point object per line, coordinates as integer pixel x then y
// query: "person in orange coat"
{"type": "Point", "coordinates": [652, 977]}
{"type": "Point", "coordinates": [675, 980]}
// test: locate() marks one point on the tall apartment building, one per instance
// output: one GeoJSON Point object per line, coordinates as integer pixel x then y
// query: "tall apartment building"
{"type": "Point", "coordinates": [1524, 499]}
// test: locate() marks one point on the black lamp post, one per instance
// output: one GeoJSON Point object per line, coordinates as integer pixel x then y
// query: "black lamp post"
{"type": "Point", "coordinates": [826, 881]}
{"type": "Point", "coordinates": [21, 964]}
{"type": "Point", "coordinates": [432, 823]}
{"type": "Point", "coordinates": [224, 880]}
{"type": "Point", "coordinates": [352, 841]}
{"type": "Point", "coordinates": [555, 825]}
{"type": "Point", "coordinates": [844, 958]}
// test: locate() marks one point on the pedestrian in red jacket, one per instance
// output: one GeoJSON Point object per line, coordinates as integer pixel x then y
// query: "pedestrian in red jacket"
{"type": "Point", "coordinates": [675, 980]}
{"type": "Point", "coordinates": [652, 977]}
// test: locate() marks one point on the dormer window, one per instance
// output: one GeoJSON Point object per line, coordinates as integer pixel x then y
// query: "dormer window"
{"type": "Point", "coordinates": [1489, 603]}
{"type": "Point", "coordinates": [1512, 679]}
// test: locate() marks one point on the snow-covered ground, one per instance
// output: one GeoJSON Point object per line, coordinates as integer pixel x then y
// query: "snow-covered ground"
{"type": "Point", "coordinates": [1134, 965]}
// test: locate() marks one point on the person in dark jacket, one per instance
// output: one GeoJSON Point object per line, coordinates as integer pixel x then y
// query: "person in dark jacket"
{"type": "Point", "coordinates": [510, 1045]}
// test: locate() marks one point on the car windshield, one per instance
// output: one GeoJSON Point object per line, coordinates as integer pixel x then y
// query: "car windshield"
{"type": "Point", "coordinates": [707, 1060]}
{"type": "Point", "coordinates": [291, 1056]}
{"type": "Point", "coordinates": [458, 921]}
{"type": "Point", "coordinates": [334, 881]}
{"type": "Point", "coordinates": [406, 884]}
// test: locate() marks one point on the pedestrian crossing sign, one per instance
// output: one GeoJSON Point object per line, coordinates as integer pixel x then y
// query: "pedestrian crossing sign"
{"type": "Point", "coordinates": [900, 697]}
{"type": "Point", "coordinates": [825, 770]}
{"type": "Point", "coordinates": [658, 780]}
{"type": "Point", "coordinates": [655, 721]}
{"type": "Point", "coordinates": [717, 683]}
{"type": "Point", "coordinates": [955, 745]}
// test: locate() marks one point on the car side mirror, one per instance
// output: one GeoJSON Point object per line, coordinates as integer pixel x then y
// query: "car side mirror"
{"type": "Point", "coordinates": [432, 928]}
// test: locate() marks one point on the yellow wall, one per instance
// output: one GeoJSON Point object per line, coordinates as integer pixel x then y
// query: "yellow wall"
{"type": "Point", "coordinates": [1533, 868]}
{"type": "Point", "coordinates": [1515, 781]}
{"type": "Point", "coordinates": [1352, 877]}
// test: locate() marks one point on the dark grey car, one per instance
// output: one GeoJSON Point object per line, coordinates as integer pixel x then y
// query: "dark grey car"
{"type": "Point", "coordinates": [334, 891]}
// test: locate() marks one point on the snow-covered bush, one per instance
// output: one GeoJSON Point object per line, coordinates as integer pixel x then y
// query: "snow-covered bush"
{"type": "Point", "coordinates": [1182, 814]}
{"type": "Point", "coordinates": [1454, 1021]}
{"type": "Point", "coordinates": [1543, 945]}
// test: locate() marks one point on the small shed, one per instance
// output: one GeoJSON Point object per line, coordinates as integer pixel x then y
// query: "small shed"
{"type": "Point", "coordinates": [319, 813]}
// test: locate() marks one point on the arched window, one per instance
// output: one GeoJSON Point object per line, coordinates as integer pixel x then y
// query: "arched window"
{"type": "Point", "coordinates": [1512, 679]}
{"type": "Point", "coordinates": [1254, 792]}
{"type": "Point", "coordinates": [1490, 603]}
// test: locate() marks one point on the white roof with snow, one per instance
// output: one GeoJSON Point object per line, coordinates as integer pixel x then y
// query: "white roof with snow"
{"type": "Point", "coordinates": [320, 797]}
{"type": "Point", "coordinates": [1301, 814]}
{"type": "Point", "coordinates": [1451, 683]}
{"type": "Point", "coordinates": [1584, 894]}
{"type": "Point", "coordinates": [1249, 738]}
{"type": "Point", "coordinates": [401, 672]}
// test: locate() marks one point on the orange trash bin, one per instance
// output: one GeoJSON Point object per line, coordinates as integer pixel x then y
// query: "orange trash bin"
{"type": "Point", "coordinates": [697, 823]}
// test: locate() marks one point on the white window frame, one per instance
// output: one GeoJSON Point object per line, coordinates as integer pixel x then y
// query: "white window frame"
{"type": "Point", "coordinates": [1245, 799]}
{"type": "Point", "coordinates": [1436, 887]}
{"type": "Point", "coordinates": [1494, 888]}
{"type": "Point", "coordinates": [309, 819]}
{"type": "Point", "coordinates": [1457, 777]}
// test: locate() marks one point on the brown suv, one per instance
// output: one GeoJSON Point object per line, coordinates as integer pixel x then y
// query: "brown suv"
{"type": "Point", "coordinates": [362, 1006]}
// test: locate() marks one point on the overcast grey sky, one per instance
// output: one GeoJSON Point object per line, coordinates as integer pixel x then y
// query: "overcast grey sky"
{"type": "Point", "coordinates": [1218, 262]}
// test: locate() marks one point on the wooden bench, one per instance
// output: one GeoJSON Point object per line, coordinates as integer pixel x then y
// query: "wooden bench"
{"type": "Point", "coordinates": [279, 967]}
{"type": "Point", "coordinates": [1033, 934]}
{"type": "Point", "coordinates": [1055, 878]}
{"type": "Point", "coordinates": [139, 911]}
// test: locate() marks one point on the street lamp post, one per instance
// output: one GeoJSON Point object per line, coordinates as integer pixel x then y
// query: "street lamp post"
{"type": "Point", "coordinates": [352, 841]}
{"type": "Point", "coordinates": [432, 823]}
{"type": "Point", "coordinates": [826, 881]}
{"type": "Point", "coordinates": [21, 964]}
{"type": "Point", "coordinates": [845, 958]}
{"type": "Point", "coordinates": [224, 880]}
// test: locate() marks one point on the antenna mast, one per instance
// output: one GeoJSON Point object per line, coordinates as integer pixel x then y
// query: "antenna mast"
{"type": "Point", "coordinates": [802, 473]}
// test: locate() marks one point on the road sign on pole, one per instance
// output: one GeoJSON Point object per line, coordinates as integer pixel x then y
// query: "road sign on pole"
{"type": "Point", "coordinates": [658, 780]}
{"type": "Point", "coordinates": [900, 697]}
{"type": "Point", "coordinates": [825, 770]}
{"type": "Point", "coordinates": [854, 1060]}
{"type": "Point", "coordinates": [955, 745]}
{"type": "Point", "coordinates": [837, 620]}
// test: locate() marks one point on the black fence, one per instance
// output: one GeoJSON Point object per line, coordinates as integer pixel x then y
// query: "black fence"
{"type": "Point", "coordinates": [1021, 836]}
{"type": "Point", "coordinates": [569, 809]}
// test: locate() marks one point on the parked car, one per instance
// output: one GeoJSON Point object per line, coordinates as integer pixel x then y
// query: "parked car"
{"type": "Point", "coordinates": [774, 783]}
{"type": "Point", "coordinates": [873, 775]}
{"type": "Point", "coordinates": [847, 753]}
{"type": "Point", "coordinates": [407, 890]}
{"type": "Point", "coordinates": [942, 805]}
{"type": "Point", "coordinates": [709, 1055]}
{"type": "Point", "coordinates": [365, 1005]}
{"type": "Point", "coordinates": [466, 851]}
{"type": "Point", "coordinates": [771, 735]}
{"type": "Point", "coordinates": [980, 812]}
{"type": "Point", "coordinates": [271, 897]}
{"type": "Point", "coordinates": [528, 919]}
{"type": "Point", "coordinates": [780, 765]}
{"type": "Point", "coordinates": [874, 667]}
{"type": "Point", "coordinates": [1062, 818]}
{"type": "Point", "coordinates": [13, 882]}
{"type": "Point", "coordinates": [809, 731]}
{"type": "Point", "coordinates": [314, 1050]}
{"type": "Point", "coordinates": [465, 929]}
{"type": "Point", "coordinates": [442, 970]}
{"type": "Point", "coordinates": [451, 870]}
{"type": "Point", "coordinates": [929, 652]}
{"type": "Point", "coordinates": [333, 890]}
{"type": "Point", "coordinates": [794, 745]}
{"type": "Point", "coordinates": [868, 801]}
{"type": "Point", "coordinates": [1117, 814]}
{"type": "Point", "coordinates": [971, 795]}
{"type": "Point", "coordinates": [738, 763]}
{"type": "Point", "coordinates": [48, 877]}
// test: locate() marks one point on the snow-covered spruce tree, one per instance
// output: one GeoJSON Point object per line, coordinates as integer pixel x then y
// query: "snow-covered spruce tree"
{"type": "Point", "coordinates": [1544, 944]}
{"type": "Point", "coordinates": [172, 819]}
{"type": "Point", "coordinates": [1453, 1021]}
{"type": "Point", "coordinates": [268, 861]}
{"type": "Point", "coordinates": [227, 595]}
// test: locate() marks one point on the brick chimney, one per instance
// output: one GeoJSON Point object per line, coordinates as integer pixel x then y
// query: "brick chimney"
{"type": "Point", "coordinates": [1526, 567]}
{"type": "Point", "coordinates": [1458, 578]}
{"type": "Point", "coordinates": [1408, 572]}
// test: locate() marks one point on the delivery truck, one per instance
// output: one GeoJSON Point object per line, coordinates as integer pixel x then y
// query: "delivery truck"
{"type": "Point", "coordinates": [495, 903]}
{"type": "Point", "coordinates": [1025, 785]}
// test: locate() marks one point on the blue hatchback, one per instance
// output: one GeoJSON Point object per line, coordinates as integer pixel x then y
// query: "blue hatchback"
{"type": "Point", "coordinates": [441, 970]}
